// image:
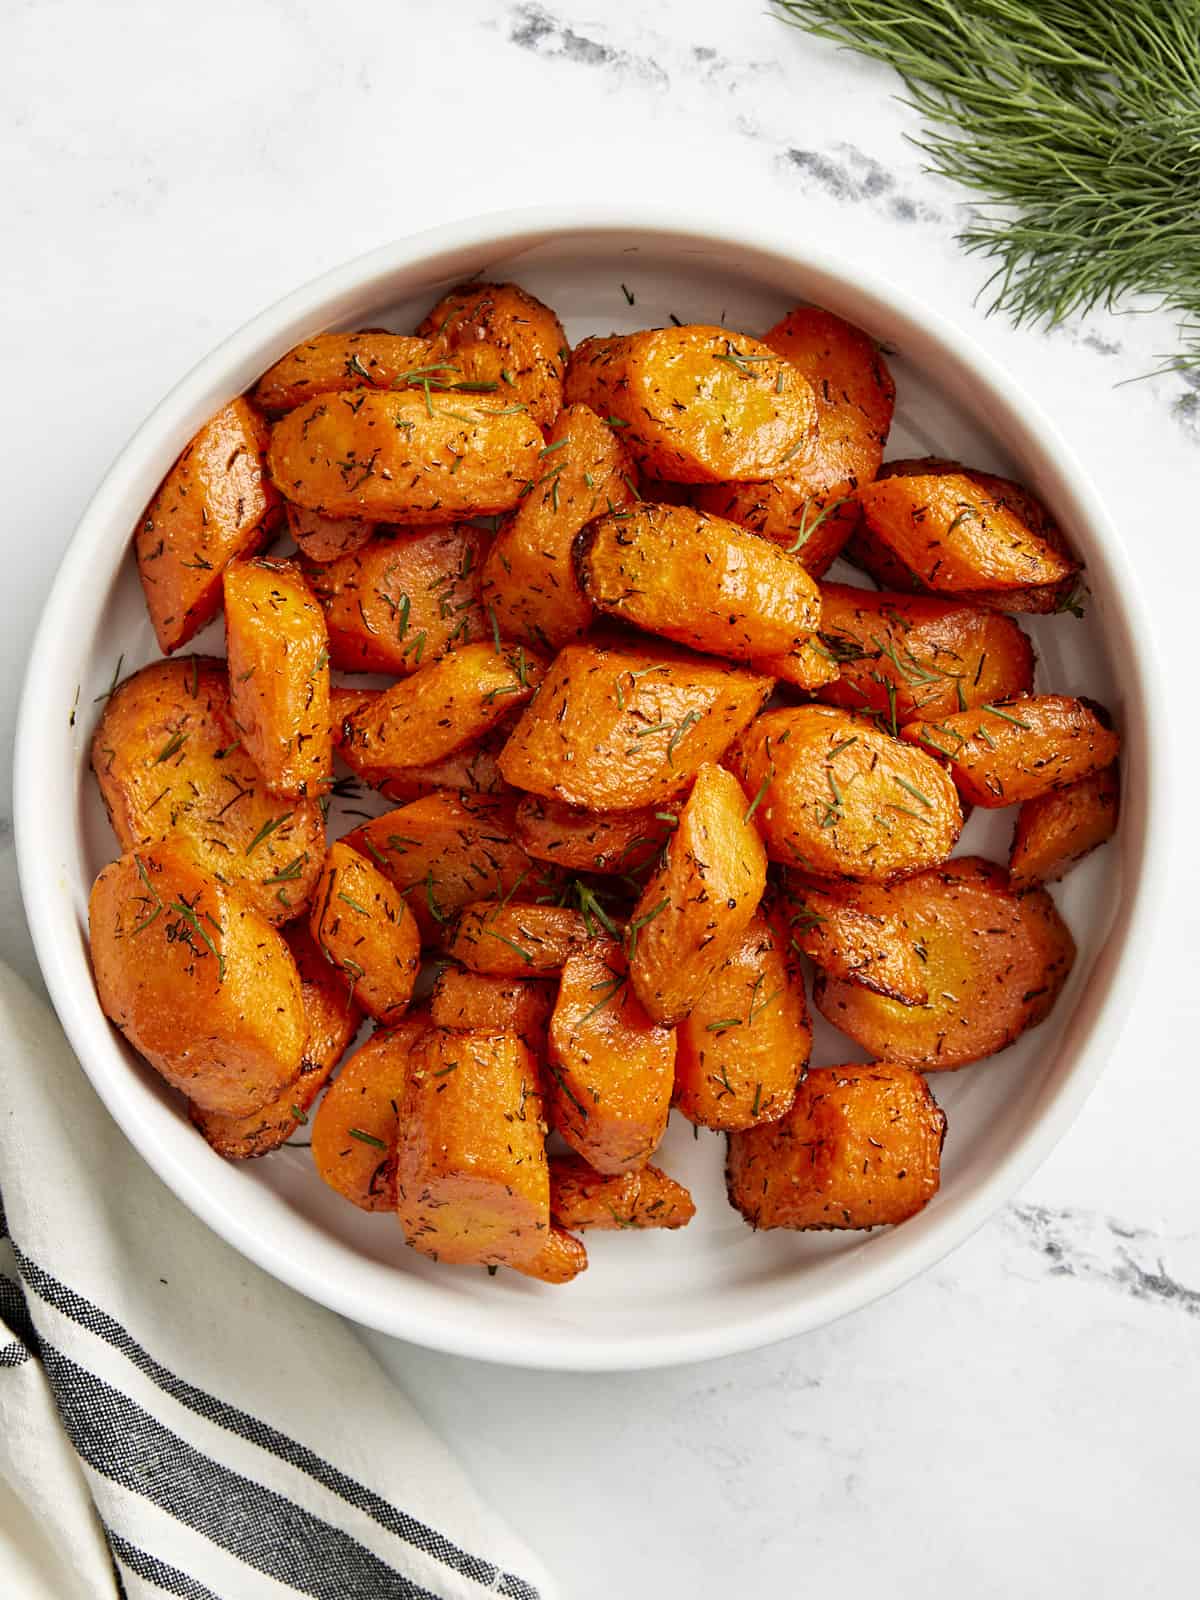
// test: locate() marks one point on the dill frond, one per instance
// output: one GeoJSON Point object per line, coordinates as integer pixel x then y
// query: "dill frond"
{"type": "Point", "coordinates": [1079, 120]}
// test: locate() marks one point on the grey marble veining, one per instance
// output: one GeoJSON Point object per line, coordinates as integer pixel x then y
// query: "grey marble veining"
{"type": "Point", "coordinates": [1129, 1259]}
{"type": "Point", "coordinates": [851, 177]}
{"type": "Point", "coordinates": [1023, 1419]}
{"type": "Point", "coordinates": [533, 28]}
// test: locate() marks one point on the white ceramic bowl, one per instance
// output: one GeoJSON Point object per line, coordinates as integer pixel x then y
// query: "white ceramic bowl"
{"type": "Point", "coordinates": [649, 1299]}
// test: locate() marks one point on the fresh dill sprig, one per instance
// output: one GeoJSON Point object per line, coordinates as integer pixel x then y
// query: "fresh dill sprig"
{"type": "Point", "coordinates": [1079, 120]}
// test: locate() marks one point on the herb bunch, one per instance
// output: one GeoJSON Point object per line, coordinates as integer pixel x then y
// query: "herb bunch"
{"type": "Point", "coordinates": [1079, 120]}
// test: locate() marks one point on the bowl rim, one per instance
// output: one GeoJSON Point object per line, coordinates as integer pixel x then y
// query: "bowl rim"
{"type": "Point", "coordinates": [239, 359]}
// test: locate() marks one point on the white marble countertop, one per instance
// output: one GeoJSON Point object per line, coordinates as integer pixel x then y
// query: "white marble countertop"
{"type": "Point", "coordinates": [1023, 1420]}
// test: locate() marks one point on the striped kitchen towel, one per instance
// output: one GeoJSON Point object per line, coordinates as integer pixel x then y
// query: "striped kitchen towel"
{"type": "Point", "coordinates": [174, 1421]}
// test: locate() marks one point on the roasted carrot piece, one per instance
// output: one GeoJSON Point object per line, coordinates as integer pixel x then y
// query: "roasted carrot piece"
{"type": "Point", "coordinates": [498, 339]}
{"type": "Point", "coordinates": [528, 579]}
{"type": "Point", "coordinates": [581, 1198]}
{"type": "Point", "coordinates": [325, 540]}
{"type": "Point", "coordinates": [1001, 755]}
{"type": "Point", "coordinates": [403, 455]}
{"type": "Point", "coordinates": [860, 1147]}
{"type": "Point", "coordinates": [355, 1127]}
{"type": "Point", "coordinates": [442, 707]}
{"type": "Point", "coordinates": [859, 931]}
{"type": "Point", "coordinates": [745, 1045]}
{"type": "Point", "coordinates": [513, 939]}
{"type": "Point", "coordinates": [905, 656]}
{"type": "Point", "coordinates": [811, 665]}
{"type": "Point", "coordinates": [593, 841]}
{"type": "Point", "coordinates": [471, 1175]}
{"type": "Point", "coordinates": [477, 1001]}
{"type": "Point", "coordinates": [836, 797]}
{"type": "Point", "coordinates": [620, 727]}
{"type": "Point", "coordinates": [699, 580]}
{"type": "Point", "coordinates": [445, 850]}
{"type": "Point", "coordinates": [473, 768]}
{"type": "Point", "coordinates": [330, 362]}
{"type": "Point", "coordinates": [696, 404]}
{"type": "Point", "coordinates": [807, 509]}
{"type": "Point", "coordinates": [362, 923]}
{"type": "Point", "coordinates": [279, 674]}
{"type": "Point", "coordinates": [404, 599]}
{"type": "Point", "coordinates": [201, 985]}
{"type": "Point", "coordinates": [171, 765]}
{"type": "Point", "coordinates": [611, 1067]}
{"type": "Point", "coordinates": [215, 503]}
{"type": "Point", "coordinates": [560, 1258]}
{"type": "Point", "coordinates": [995, 963]}
{"type": "Point", "coordinates": [1058, 829]}
{"type": "Point", "coordinates": [698, 903]}
{"type": "Point", "coordinates": [866, 550]}
{"type": "Point", "coordinates": [955, 536]}
{"type": "Point", "coordinates": [332, 1018]}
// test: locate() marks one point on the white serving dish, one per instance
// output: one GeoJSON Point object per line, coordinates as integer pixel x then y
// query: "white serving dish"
{"type": "Point", "coordinates": [652, 1299]}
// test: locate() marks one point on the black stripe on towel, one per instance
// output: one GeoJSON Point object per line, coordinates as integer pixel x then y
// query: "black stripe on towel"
{"type": "Point", "coordinates": [157, 1572]}
{"type": "Point", "coordinates": [270, 1533]}
{"type": "Point", "coordinates": [118, 1580]}
{"type": "Point", "coordinates": [14, 1354]}
{"type": "Point", "coordinates": [15, 1313]}
{"type": "Point", "coordinates": [256, 1431]}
